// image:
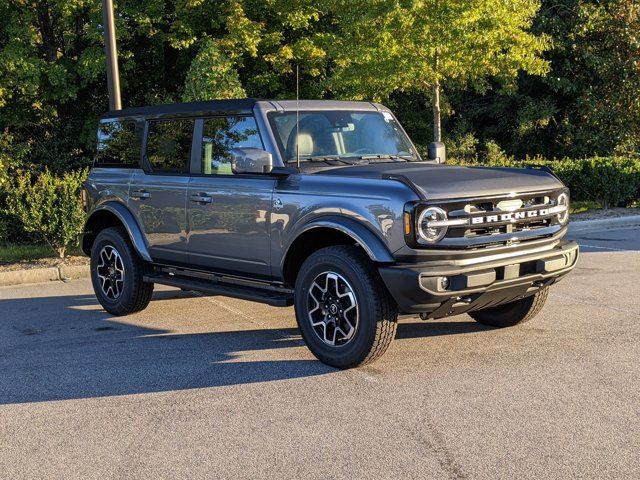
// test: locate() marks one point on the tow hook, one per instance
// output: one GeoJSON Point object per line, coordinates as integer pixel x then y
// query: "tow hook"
{"type": "Point", "coordinates": [446, 307]}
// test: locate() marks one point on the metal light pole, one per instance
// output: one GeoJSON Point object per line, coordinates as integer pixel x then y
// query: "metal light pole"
{"type": "Point", "coordinates": [111, 52]}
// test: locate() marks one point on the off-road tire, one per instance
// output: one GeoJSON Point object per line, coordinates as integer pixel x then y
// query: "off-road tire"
{"type": "Point", "coordinates": [512, 313]}
{"type": "Point", "coordinates": [136, 293]}
{"type": "Point", "coordinates": [377, 311]}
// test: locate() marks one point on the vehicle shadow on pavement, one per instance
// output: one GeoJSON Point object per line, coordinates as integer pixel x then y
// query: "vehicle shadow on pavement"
{"type": "Point", "coordinates": [436, 328]}
{"type": "Point", "coordinates": [67, 347]}
{"type": "Point", "coordinates": [57, 348]}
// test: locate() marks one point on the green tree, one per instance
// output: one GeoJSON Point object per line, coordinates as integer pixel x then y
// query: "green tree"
{"type": "Point", "coordinates": [52, 72]}
{"type": "Point", "coordinates": [212, 76]}
{"type": "Point", "coordinates": [263, 40]}
{"type": "Point", "coordinates": [421, 46]}
{"type": "Point", "coordinates": [608, 43]}
{"type": "Point", "coordinates": [586, 105]}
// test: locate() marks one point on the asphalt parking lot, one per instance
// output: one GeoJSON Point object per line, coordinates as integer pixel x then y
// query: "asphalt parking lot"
{"type": "Point", "coordinates": [210, 387]}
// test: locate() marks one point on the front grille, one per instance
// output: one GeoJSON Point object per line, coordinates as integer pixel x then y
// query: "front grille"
{"type": "Point", "coordinates": [500, 220]}
{"type": "Point", "coordinates": [510, 228]}
{"type": "Point", "coordinates": [495, 220]}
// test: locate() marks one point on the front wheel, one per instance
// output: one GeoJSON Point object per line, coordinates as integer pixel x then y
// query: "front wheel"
{"type": "Point", "coordinates": [117, 273]}
{"type": "Point", "coordinates": [512, 313]}
{"type": "Point", "coordinates": [344, 311]}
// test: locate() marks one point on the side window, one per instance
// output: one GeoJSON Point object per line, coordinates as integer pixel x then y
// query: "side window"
{"type": "Point", "coordinates": [169, 145]}
{"type": "Point", "coordinates": [118, 144]}
{"type": "Point", "coordinates": [222, 134]}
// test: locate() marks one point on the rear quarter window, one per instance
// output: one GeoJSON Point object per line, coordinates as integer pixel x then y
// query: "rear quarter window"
{"type": "Point", "coordinates": [118, 144]}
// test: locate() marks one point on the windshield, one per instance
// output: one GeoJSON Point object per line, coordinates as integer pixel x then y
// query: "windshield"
{"type": "Point", "coordinates": [336, 135]}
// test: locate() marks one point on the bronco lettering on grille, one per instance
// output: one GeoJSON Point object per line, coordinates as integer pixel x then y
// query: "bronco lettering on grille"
{"type": "Point", "coordinates": [510, 216]}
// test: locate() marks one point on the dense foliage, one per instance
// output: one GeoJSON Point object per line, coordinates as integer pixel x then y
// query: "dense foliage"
{"type": "Point", "coordinates": [587, 104]}
{"type": "Point", "coordinates": [422, 46]}
{"type": "Point", "coordinates": [557, 77]}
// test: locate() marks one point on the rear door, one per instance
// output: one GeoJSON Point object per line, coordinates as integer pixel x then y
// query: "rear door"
{"type": "Point", "coordinates": [157, 195]}
{"type": "Point", "coordinates": [228, 214]}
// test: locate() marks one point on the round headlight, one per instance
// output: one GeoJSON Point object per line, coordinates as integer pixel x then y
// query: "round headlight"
{"type": "Point", "coordinates": [563, 201]}
{"type": "Point", "coordinates": [426, 230]}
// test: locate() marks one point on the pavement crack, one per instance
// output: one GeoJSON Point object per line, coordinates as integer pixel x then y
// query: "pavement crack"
{"type": "Point", "coordinates": [434, 443]}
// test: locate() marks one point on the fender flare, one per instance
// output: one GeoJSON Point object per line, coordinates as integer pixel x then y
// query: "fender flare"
{"type": "Point", "coordinates": [364, 236]}
{"type": "Point", "coordinates": [130, 224]}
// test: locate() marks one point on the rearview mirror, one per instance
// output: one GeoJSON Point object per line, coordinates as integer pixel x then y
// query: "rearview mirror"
{"type": "Point", "coordinates": [251, 160]}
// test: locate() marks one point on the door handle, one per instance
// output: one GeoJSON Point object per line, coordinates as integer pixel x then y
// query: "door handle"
{"type": "Point", "coordinates": [201, 198]}
{"type": "Point", "coordinates": [139, 194]}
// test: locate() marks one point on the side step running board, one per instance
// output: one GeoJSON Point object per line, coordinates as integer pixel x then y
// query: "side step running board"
{"type": "Point", "coordinates": [270, 297]}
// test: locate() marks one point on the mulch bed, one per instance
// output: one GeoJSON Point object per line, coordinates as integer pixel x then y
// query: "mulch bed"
{"type": "Point", "coordinates": [44, 263]}
{"type": "Point", "coordinates": [602, 213]}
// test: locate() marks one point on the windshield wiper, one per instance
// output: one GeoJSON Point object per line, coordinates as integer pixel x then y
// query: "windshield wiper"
{"type": "Point", "coordinates": [353, 160]}
{"type": "Point", "coordinates": [395, 158]}
{"type": "Point", "coordinates": [326, 159]}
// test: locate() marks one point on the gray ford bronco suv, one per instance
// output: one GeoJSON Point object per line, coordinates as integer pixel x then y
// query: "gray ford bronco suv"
{"type": "Point", "coordinates": [324, 205]}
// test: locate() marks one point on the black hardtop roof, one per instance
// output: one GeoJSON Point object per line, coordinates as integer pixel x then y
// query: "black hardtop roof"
{"type": "Point", "coordinates": [241, 106]}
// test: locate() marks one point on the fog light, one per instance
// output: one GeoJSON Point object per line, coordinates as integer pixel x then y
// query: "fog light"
{"type": "Point", "coordinates": [444, 283]}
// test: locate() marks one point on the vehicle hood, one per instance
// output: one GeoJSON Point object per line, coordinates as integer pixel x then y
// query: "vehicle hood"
{"type": "Point", "coordinates": [436, 181]}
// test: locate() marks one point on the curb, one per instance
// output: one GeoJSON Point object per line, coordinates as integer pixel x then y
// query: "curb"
{"type": "Point", "coordinates": [71, 272]}
{"type": "Point", "coordinates": [603, 223]}
{"type": "Point", "coordinates": [39, 275]}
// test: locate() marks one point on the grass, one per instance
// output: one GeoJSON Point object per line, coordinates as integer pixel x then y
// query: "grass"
{"type": "Point", "coordinates": [584, 206]}
{"type": "Point", "coordinates": [12, 252]}
{"type": "Point", "coordinates": [18, 252]}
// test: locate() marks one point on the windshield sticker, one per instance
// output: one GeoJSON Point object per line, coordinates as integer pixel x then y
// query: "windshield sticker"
{"type": "Point", "coordinates": [387, 116]}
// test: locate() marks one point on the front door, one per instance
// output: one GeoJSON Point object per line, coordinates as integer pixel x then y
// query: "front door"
{"type": "Point", "coordinates": [228, 214]}
{"type": "Point", "coordinates": [157, 195]}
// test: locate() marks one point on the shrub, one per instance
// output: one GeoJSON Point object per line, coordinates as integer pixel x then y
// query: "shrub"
{"type": "Point", "coordinates": [49, 206]}
{"type": "Point", "coordinates": [4, 228]}
{"type": "Point", "coordinates": [463, 147]}
{"type": "Point", "coordinates": [11, 230]}
{"type": "Point", "coordinates": [613, 181]}
{"type": "Point", "coordinates": [495, 155]}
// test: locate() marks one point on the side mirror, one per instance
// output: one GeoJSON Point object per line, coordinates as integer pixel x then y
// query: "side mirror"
{"type": "Point", "coordinates": [251, 160]}
{"type": "Point", "coordinates": [437, 152]}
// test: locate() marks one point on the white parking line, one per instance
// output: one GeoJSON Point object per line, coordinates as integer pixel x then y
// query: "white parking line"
{"type": "Point", "coordinates": [606, 248]}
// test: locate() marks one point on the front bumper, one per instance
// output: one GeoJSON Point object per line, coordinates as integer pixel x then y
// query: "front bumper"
{"type": "Point", "coordinates": [419, 287]}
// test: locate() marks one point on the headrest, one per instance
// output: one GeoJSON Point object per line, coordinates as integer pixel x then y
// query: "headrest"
{"type": "Point", "coordinates": [305, 144]}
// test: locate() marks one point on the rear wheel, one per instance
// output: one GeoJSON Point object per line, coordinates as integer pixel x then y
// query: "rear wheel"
{"type": "Point", "coordinates": [512, 313]}
{"type": "Point", "coordinates": [345, 313]}
{"type": "Point", "coordinates": [117, 273]}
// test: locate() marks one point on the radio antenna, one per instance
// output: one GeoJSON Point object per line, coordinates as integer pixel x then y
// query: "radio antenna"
{"type": "Point", "coordinates": [297, 117]}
